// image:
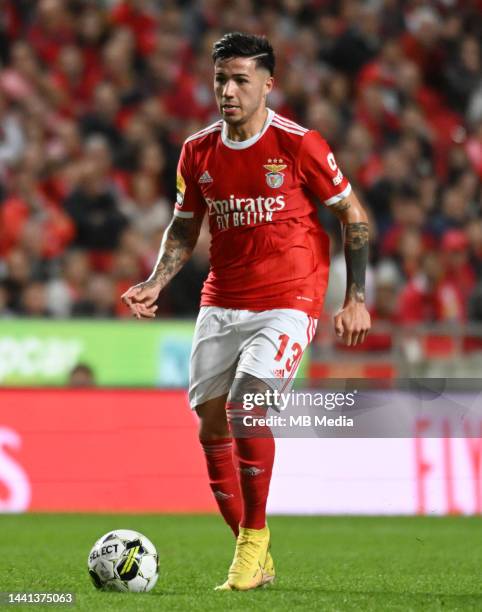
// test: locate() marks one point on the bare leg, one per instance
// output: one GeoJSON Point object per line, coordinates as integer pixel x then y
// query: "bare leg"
{"type": "Point", "coordinates": [213, 421]}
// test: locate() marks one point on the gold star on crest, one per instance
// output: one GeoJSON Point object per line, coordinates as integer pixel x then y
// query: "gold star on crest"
{"type": "Point", "coordinates": [275, 165]}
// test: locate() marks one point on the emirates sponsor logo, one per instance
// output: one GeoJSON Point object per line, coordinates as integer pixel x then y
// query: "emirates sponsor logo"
{"type": "Point", "coordinates": [235, 212]}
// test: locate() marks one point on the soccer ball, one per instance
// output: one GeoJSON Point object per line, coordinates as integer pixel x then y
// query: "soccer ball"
{"type": "Point", "coordinates": [124, 560]}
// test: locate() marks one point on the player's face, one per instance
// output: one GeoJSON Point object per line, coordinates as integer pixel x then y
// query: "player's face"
{"type": "Point", "coordinates": [240, 88]}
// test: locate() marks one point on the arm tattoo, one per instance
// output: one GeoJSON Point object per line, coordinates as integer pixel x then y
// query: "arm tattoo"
{"type": "Point", "coordinates": [177, 245]}
{"type": "Point", "coordinates": [356, 256]}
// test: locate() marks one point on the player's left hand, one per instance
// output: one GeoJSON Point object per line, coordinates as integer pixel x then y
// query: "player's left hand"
{"type": "Point", "coordinates": [352, 323]}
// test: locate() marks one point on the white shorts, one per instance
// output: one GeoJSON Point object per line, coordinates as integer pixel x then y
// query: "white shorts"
{"type": "Point", "coordinates": [268, 345]}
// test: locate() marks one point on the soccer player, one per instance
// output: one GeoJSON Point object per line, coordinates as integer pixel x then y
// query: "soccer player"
{"type": "Point", "coordinates": [258, 177]}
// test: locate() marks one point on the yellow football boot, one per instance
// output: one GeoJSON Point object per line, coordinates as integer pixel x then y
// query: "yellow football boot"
{"type": "Point", "coordinates": [252, 565]}
{"type": "Point", "coordinates": [268, 570]}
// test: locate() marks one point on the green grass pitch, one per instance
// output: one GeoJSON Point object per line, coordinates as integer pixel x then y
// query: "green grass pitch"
{"type": "Point", "coordinates": [323, 563]}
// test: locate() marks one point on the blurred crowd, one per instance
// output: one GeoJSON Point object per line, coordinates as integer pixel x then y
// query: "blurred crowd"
{"type": "Point", "coordinates": [96, 98]}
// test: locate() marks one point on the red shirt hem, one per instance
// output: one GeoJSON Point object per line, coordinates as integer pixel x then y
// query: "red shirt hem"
{"type": "Point", "coordinates": [312, 309]}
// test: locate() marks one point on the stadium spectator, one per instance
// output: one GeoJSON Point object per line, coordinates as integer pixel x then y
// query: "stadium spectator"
{"type": "Point", "coordinates": [431, 297]}
{"type": "Point", "coordinates": [463, 74]}
{"type": "Point", "coordinates": [102, 116]}
{"type": "Point", "coordinates": [455, 258]}
{"type": "Point", "coordinates": [474, 235]}
{"type": "Point", "coordinates": [52, 29]}
{"type": "Point", "coordinates": [12, 139]}
{"type": "Point", "coordinates": [5, 311]}
{"type": "Point", "coordinates": [70, 286]}
{"type": "Point", "coordinates": [33, 300]}
{"type": "Point", "coordinates": [146, 211]}
{"type": "Point", "coordinates": [81, 376]}
{"type": "Point", "coordinates": [100, 298]}
{"type": "Point", "coordinates": [27, 203]}
{"type": "Point", "coordinates": [94, 208]}
{"type": "Point", "coordinates": [407, 214]}
{"type": "Point", "coordinates": [17, 272]}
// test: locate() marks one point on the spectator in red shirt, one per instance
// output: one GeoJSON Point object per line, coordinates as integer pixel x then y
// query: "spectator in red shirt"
{"type": "Point", "coordinates": [51, 30]}
{"type": "Point", "coordinates": [455, 257]}
{"type": "Point", "coordinates": [140, 21]}
{"type": "Point", "coordinates": [407, 215]}
{"type": "Point", "coordinates": [421, 42]}
{"type": "Point", "coordinates": [27, 202]}
{"type": "Point", "coordinates": [430, 298]}
{"type": "Point", "coordinates": [73, 81]}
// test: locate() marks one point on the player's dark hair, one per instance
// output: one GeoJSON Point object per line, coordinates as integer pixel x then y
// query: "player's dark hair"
{"type": "Point", "coordinates": [238, 44]}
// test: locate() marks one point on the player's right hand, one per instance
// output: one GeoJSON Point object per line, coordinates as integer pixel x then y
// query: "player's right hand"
{"type": "Point", "coordinates": [140, 299]}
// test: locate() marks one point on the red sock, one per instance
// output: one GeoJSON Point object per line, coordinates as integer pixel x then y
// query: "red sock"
{"type": "Point", "coordinates": [223, 480]}
{"type": "Point", "coordinates": [255, 456]}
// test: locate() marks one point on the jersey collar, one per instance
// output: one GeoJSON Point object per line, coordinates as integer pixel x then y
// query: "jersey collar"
{"type": "Point", "coordinates": [244, 144]}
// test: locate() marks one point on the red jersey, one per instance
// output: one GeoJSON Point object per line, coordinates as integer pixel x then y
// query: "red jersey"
{"type": "Point", "coordinates": [268, 248]}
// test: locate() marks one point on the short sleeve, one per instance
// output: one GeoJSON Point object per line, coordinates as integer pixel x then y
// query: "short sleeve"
{"type": "Point", "coordinates": [319, 171]}
{"type": "Point", "coordinates": [189, 199]}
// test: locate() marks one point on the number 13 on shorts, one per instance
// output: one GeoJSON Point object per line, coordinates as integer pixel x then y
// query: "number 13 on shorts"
{"type": "Point", "coordinates": [296, 352]}
{"type": "Point", "coordinates": [290, 349]}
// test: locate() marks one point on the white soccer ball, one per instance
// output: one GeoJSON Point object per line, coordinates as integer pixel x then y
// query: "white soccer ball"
{"type": "Point", "coordinates": [124, 560]}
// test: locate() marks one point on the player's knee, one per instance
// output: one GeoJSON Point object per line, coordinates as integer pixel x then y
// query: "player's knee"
{"type": "Point", "coordinates": [213, 424]}
{"type": "Point", "coordinates": [209, 430]}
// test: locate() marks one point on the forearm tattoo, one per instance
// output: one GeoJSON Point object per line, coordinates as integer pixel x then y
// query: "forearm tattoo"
{"type": "Point", "coordinates": [356, 256]}
{"type": "Point", "coordinates": [177, 245]}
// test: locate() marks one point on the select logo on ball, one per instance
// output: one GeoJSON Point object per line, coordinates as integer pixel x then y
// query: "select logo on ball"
{"type": "Point", "coordinates": [123, 560]}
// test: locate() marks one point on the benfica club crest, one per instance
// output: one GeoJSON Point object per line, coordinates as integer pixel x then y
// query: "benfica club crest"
{"type": "Point", "coordinates": [275, 176]}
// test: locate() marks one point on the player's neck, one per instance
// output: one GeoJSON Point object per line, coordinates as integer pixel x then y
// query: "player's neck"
{"type": "Point", "coordinates": [250, 128]}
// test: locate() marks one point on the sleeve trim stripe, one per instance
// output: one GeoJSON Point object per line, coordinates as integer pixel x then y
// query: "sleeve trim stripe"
{"type": "Point", "coordinates": [287, 129]}
{"type": "Point", "coordinates": [289, 123]}
{"type": "Point", "coordinates": [205, 132]}
{"type": "Point", "coordinates": [341, 196]}
{"type": "Point", "coordinates": [183, 214]}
